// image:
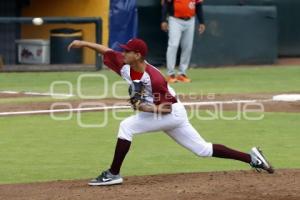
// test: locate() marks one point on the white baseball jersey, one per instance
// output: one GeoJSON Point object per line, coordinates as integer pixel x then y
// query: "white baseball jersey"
{"type": "Point", "coordinates": [175, 124]}
{"type": "Point", "coordinates": [157, 90]}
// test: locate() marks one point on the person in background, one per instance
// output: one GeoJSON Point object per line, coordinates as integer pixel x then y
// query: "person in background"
{"type": "Point", "coordinates": [178, 18]}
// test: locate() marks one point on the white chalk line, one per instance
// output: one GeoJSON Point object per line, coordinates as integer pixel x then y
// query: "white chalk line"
{"type": "Point", "coordinates": [123, 107]}
{"type": "Point", "coordinates": [287, 97]}
{"type": "Point", "coordinates": [276, 98]}
{"type": "Point", "coordinates": [38, 93]}
{"type": "Point", "coordinates": [62, 110]}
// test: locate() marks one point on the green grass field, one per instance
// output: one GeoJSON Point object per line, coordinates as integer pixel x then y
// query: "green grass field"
{"type": "Point", "coordinates": [38, 148]}
{"type": "Point", "coordinates": [215, 80]}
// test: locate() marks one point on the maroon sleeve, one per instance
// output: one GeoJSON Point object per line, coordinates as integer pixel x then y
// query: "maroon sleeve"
{"type": "Point", "coordinates": [162, 95]}
{"type": "Point", "coordinates": [159, 86]}
{"type": "Point", "coordinates": [114, 60]}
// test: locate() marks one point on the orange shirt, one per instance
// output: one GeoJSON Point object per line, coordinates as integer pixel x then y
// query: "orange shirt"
{"type": "Point", "coordinates": [182, 9]}
{"type": "Point", "coordinates": [185, 8]}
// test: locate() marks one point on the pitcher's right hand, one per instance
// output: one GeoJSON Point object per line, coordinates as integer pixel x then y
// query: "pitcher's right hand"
{"type": "Point", "coordinates": [76, 44]}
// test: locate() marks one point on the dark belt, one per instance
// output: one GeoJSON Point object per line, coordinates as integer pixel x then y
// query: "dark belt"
{"type": "Point", "coordinates": [184, 18]}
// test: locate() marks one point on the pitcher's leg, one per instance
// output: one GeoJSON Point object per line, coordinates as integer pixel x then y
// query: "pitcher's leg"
{"type": "Point", "coordinates": [256, 159]}
{"type": "Point", "coordinates": [221, 151]}
{"type": "Point", "coordinates": [147, 122]}
{"type": "Point", "coordinates": [121, 149]}
{"type": "Point", "coordinates": [138, 124]}
{"type": "Point", "coordinates": [188, 137]}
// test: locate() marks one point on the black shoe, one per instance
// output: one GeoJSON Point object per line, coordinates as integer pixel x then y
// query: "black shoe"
{"type": "Point", "coordinates": [259, 162]}
{"type": "Point", "coordinates": [106, 178]}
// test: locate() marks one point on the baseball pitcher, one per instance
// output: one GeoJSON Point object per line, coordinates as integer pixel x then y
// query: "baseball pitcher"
{"type": "Point", "coordinates": [151, 96]}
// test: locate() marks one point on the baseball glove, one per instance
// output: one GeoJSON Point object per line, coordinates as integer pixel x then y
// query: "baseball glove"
{"type": "Point", "coordinates": [136, 92]}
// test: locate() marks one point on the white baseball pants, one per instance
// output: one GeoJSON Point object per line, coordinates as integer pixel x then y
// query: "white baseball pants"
{"type": "Point", "coordinates": [175, 124]}
{"type": "Point", "coordinates": [180, 32]}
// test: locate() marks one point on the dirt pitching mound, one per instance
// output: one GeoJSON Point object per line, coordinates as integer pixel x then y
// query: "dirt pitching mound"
{"type": "Point", "coordinates": [234, 185]}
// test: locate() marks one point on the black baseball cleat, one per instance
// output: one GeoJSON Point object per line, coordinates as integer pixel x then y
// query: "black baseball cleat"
{"type": "Point", "coordinates": [106, 178]}
{"type": "Point", "coordinates": [259, 162]}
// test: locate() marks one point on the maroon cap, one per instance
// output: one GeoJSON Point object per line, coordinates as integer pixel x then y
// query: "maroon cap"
{"type": "Point", "coordinates": [136, 45]}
